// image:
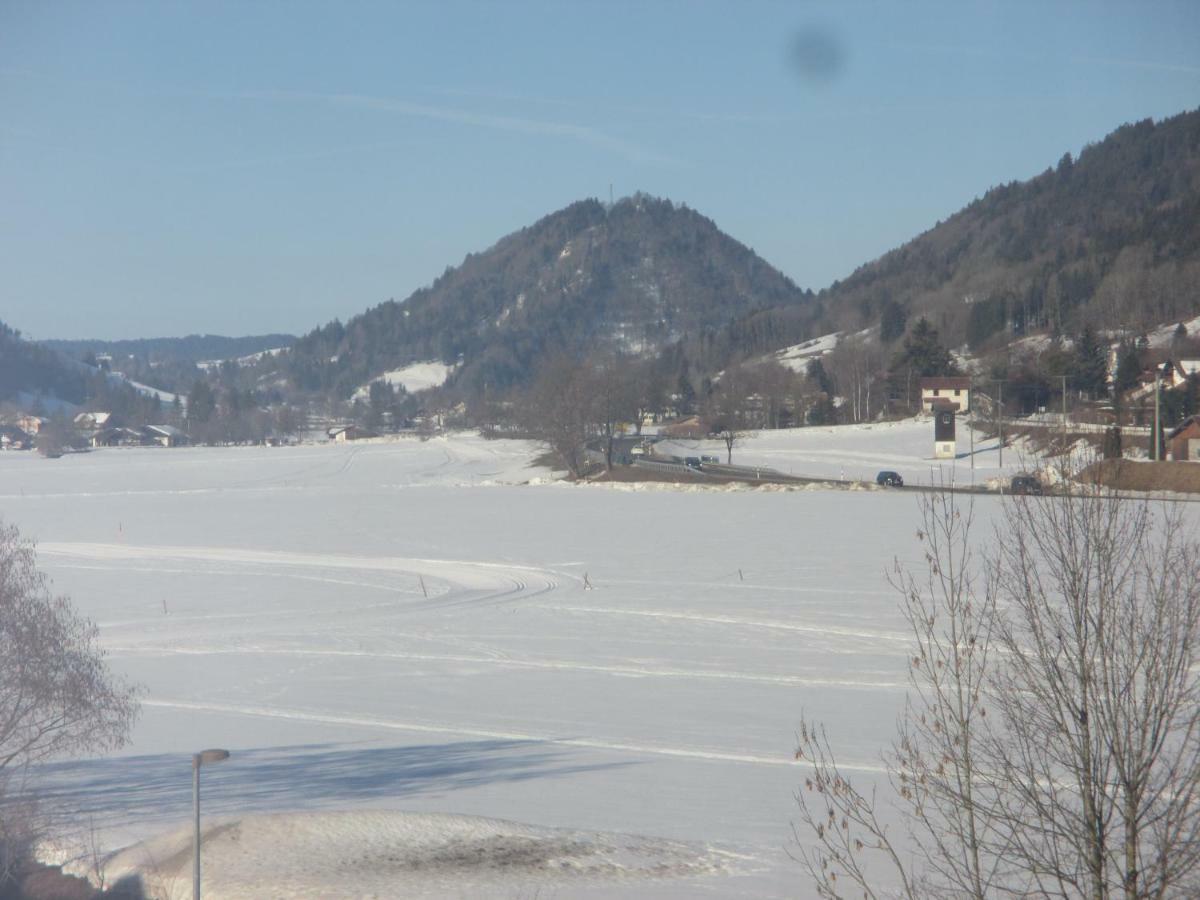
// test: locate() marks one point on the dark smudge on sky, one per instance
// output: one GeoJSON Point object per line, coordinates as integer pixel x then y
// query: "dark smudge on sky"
{"type": "Point", "coordinates": [818, 55]}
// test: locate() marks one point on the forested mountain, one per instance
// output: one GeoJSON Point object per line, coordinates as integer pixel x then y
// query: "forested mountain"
{"type": "Point", "coordinates": [636, 276]}
{"type": "Point", "coordinates": [1111, 239]}
{"type": "Point", "coordinates": [192, 348]}
{"type": "Point", "coordinates": [1108, 241]}
{"type": "Point", "coordinates": [32, 369]}
{"type": "Point", "coordinates": [37, 378]}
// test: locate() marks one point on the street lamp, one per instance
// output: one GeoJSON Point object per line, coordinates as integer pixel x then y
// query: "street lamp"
{"type": "Point", "coordinates": [1159, 372]}
{"type": "Point", "coordinates": [199, 759]}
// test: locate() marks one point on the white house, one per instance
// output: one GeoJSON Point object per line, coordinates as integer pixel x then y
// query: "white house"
{"type": "Point", "coordinates": [944, 391]}
{"type": "Point", "coordinates": [90, 421]}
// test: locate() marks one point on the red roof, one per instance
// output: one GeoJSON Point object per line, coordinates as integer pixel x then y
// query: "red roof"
{"type": "Point", "coordinates": [946, 382]}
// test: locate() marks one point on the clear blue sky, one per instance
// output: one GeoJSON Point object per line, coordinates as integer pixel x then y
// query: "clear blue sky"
{"type": "Point", "coordinates": [235, 168]}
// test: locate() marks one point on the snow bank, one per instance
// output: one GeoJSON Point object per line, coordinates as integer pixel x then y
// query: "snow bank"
{"type": "Point", "coordinates": [388, 854]}
{"type": "Point", "coordinates": [1161, 337]}
{"type": "Point", "coordinates": [797, 356]}
{"type": "Point", "coordinates": [415, 377]}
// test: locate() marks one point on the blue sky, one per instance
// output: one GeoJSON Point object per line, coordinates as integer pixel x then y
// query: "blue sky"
{"type": "Point", "coordinates": [236, 168]}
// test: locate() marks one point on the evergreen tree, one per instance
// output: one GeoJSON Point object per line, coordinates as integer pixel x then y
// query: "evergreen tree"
{"type": "Point", "coordinates": [924, 353]}
{"type": "Point", "coordinates": [1090, 363]}
{"type": "Point", "coordinates": [819, 377]}
{"type": "Point", "coordinates": [201, 402]}
{"type": "Point", "coordinates": [892, 323]}
{"type": "Point", "coordinates": [1129, 367]}
{"type": "Point", "coordinates": [823, 412]}
{"type": "Point", "coordinates": [685, 396]}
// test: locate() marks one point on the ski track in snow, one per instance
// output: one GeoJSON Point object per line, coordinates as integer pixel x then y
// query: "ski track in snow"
{"type": "Point", "coordinates": [506, 661]}
{"type": "Point", "coordinates": [477, 582]}
{"type": "Point", "coordinates": [472, 584]}
{"type": "Point", "coordinates": [488, 733]}
{"type": "Point", "coordinates": [831, 630]}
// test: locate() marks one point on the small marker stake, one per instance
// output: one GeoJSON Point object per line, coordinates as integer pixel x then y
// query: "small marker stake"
{"type": "Point", "coordinates": [423, 591]}
{"type": "Point", "coordinates": [740, 577]}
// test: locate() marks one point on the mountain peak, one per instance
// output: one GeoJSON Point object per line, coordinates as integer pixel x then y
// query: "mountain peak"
{"type": "Point", "coordinates": [638, 275]}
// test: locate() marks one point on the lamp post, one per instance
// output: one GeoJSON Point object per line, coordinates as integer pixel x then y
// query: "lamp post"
{"type": "Point", "coordinates": [199, 759]}
{"type": "Point", "coordinates": [1157, 394]}
{"type": "Point", "coordinates": [1159, 372]}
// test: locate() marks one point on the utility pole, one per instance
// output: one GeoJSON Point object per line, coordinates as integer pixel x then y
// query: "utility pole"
{"type": "Point", "coordinates": [1064, 412]}
{"type": "Point", "coordinates": [1000, 417]}
{"type": "Point", "coordinates": [1157, 426]}
{"type": "Point", "coordinates": [971, 430]}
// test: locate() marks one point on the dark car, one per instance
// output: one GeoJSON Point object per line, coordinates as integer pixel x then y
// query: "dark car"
{"type": "Point", "coordinates": [889, 479]}
{"type": "Point", "coordinates": [692, 462]}
{"type": "Point", "coordinates": [1025, 484]}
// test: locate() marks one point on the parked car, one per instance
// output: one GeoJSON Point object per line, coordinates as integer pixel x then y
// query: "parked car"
{"type": "Point", "coordinates": [710, 459]}
{"type": "Point", "coordinates": [692, 462]}
{"type": "Point", "coordinates": [1025, 484]}
{"type": "Point", "coordinates": [887, 478]}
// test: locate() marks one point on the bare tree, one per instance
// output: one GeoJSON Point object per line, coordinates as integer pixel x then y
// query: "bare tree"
{"type": "Point", "coordinates": [556, 411]}
{"type": "Point", "coordinates": [726, 409]}
{"type": "Point", "coordinates": [774, 384]}
{"type": "Point", "coordinates": [1051, 742]}
{"type": "Point", "coordinates": [613, 400]}
{"type": "Point", "coordinates": [858, 365]}
{"type": "Point", "coordinates": [57, 695]}
{"type": "Point", "coordinates": [933, 765]}
{"type": "Point", "coordinates": [651, 391]}
{"type": "Point", "coordinates": [1099, 693]}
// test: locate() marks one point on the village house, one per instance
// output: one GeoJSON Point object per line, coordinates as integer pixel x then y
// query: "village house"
{"type": "Point", "coordinates": [945, 391]}
{"type": "Point", "coordinates": [13, 438]}
{"type": "Point", "coordinates": [1183, 442]}
{"type": "Point", "coordinates": [117, 437]}
{"type": "Point", "coordinates": [31, 424]}
{"type": "Point", "coordinates": [1171, 374]}
{"type": "Point", "coordinates": [165, 435]}
{"type": "Point", "coordinates": [93, 421]}
{"type": "Point", "coordinates": [344, 433]}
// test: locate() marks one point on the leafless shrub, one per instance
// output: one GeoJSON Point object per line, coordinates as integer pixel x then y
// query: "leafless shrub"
{"type": "Point", "coordinates": [1050, 744]}
{"type": "Point", "coordinates": [57, 695]}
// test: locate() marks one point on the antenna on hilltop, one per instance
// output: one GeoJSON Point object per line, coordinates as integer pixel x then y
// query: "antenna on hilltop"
{"type": "Point", "coordinates": [610, 195]}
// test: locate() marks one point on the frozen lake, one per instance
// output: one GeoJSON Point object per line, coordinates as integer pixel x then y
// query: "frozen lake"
{"type": "Point", "coordinates": [407, 627]}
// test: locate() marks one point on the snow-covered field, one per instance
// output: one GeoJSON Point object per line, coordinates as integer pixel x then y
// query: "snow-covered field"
{"type": "Point", "coordinates": [421, 695]}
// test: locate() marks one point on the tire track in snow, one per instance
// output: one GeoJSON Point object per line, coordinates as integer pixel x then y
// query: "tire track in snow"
{"type": "Point", "coordinates": [834, 630]}
{"type": "Point", "coordinates": [749, 586]}
{"type": "Point", "coordinates": [242, 573]}
{"type": "Point", "coordinates": [509, 662]}
{"type": "Point", "coordinates": [695, 753]}
{"type": "Point", "coordinates": [477, 582]}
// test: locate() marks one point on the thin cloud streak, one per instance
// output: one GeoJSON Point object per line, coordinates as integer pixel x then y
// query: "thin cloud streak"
{"type": "Point", "coordinates": [258, 161]}
{"type": "Point", "coordinates": [519, 125]}
{"type": "Point", "coordinates": [503, 96]}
